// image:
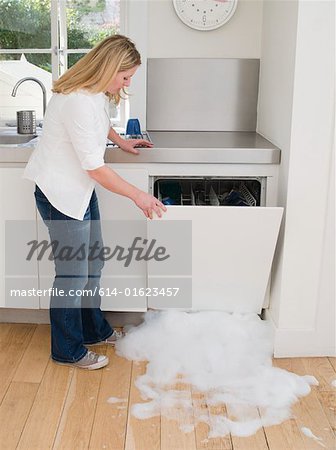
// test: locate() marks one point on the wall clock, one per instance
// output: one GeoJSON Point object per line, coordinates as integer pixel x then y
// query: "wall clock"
{"type": "Point", "coordinates": [205, 14]}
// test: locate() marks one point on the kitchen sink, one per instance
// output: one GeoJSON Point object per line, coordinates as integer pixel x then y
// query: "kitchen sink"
{"type": "Point", "coordinates": [14, 139]}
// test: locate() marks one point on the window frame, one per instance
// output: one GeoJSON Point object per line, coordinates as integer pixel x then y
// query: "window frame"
{"type": "Point", "coordinates": [59, 50]}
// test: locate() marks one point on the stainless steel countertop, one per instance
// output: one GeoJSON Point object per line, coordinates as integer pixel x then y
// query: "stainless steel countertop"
{"type": "Point", "coordinates": [181, 147]}
{"type": "Point", "coordinates": [206, 147]}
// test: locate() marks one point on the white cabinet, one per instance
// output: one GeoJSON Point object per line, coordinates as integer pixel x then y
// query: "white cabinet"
{"type": "Point", "coordinates": [116, 207]}
{"type": "Point", "coordinates": [231, 247]}
{"type": "Point", "coordinates": [122, 221]}
{"type": "Point", "coordinates": [17, 205]}
{"type": "Point", "coordinates": [46, 266]}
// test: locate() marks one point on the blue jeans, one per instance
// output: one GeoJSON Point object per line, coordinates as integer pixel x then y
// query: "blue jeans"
{"type": "Point", "coordinates": [75, 317]}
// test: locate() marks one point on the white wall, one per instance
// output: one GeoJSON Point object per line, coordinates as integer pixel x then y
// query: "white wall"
{"type": "Point", "coordinates": [296, 111]}
{"type": "Point", "coordinates": [275, 103]}
{"type": "Point", "coordinates": [136, 12]}
{"type": "Point", "coordinates": [159, 33]}
{"type": "Point", "coordinates": [168, 37]}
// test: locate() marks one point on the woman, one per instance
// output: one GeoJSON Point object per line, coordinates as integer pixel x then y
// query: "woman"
{"type": "Point", "coordinates": [66, 165]}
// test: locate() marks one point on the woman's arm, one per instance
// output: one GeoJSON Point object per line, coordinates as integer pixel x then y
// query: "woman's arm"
{"type": "Point", "coordinates": [110, 180]}
{"type": "Point", "coordinates": [114, 137]}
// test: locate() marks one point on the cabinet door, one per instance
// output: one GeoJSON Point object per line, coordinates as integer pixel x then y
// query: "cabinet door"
{"type": "Point", "coordinates": [121, 222]}
{"type": "Point", "coordinates": [46, 267]}
{"type": "Point", "coordinates": [117, 207]}
{"type": "Point", "coordinates": [17, 205]}
{"type": "Point", "coordinates": [232, 251]}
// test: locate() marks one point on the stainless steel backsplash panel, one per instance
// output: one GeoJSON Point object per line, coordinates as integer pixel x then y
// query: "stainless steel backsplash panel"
{"type": "Point", "coordinates": [203, 94]}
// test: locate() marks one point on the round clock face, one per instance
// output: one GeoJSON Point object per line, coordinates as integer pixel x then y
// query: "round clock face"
{"type": "Point", "coordinates": [205, 14]}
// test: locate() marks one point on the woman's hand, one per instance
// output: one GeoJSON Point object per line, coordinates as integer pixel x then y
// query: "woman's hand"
{"type": "Point", "coordinates": [147, 203]}
{"type": "Point", "coordinates": [110, 180]}
{"type": "Point", "coordinates": [130, 145]}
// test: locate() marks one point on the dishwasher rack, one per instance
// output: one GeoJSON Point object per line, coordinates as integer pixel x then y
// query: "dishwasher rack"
{"type": "Point", "coordinates": [209, 191]}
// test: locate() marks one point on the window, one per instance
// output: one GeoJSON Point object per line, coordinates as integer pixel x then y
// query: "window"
{"type": "Point", "coordinates": [52, 35]}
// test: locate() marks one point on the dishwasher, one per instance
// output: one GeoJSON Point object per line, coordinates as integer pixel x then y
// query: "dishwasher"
{"type": "Point", "coordinates": [233, 238]}
{"type": "Point", "coordinates": [214, 191]}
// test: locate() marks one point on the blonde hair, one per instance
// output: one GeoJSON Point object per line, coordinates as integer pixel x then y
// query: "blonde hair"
{"type": "Point", "coordinates": [97, 68]}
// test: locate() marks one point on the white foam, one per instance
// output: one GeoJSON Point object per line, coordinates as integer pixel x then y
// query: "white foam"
{"type": "Point", "coordinates": [199, 362]}
{"type": "Point", "coordinates": [308, 432]}
{"type": "Point", "coordinates": [333, 383]}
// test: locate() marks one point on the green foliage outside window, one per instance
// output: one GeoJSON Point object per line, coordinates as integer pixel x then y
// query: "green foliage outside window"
{"type": "Point", "coordinates": [27, 24]}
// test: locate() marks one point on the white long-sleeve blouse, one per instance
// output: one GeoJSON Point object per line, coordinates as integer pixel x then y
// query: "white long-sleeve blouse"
{"type": "Point", "coordinates": [73, 141]}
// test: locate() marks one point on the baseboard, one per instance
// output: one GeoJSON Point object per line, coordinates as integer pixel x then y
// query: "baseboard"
{"type": "Point", "coordinates": [116, 319]}
{"type": "Point", "coordinates": [287, 343]}
{"type": "Point", "coordinates": [14, 315]}
{"type": "Point", "coordinates": [300, 343]}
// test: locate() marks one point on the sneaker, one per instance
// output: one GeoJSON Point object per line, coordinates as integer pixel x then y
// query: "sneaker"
{"type": "Point", "coordinates": [115, 336]}
{"type": "Point", "coordinates": [90, 361]}
{"type": "Point", "coordinates": [111, 340]}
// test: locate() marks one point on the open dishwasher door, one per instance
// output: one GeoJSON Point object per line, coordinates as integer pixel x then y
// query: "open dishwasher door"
{"type": "Point", "coordinates": [232, 249]}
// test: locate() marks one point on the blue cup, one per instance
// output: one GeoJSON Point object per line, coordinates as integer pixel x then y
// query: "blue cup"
{"type": "Point", "coordinates": [133, 127]}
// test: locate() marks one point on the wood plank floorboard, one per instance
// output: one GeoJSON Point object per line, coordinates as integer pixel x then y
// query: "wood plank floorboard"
{"type": "Point", "coordinates": [14, 412]}
{"type": "Point", "coordinates": [14, 340]}
{"type": "Point", "coordinates": [44, 405]}
{"type": "Point", "coordinates": [221, 443]}
{"type": "Point", "coordinates": [202, 416]}
{"type": "Point", "coordinates": [255, 442]}
{"type": "Point", "coordinates": [287, 436]}
{"type": "Point", "coordinates": [172, 435]}
{"type": "Point", "coordinates": [322, 370]}
{"type": "Point", "coordinates": [332, 360]}
{"type": "Point", "coordinates": [309, 412]}
{"type": "Point", "coordinates": [141, 434]}
{"type": "Point", "coordinates": [36, 357]}
{"type": "Point", "coordinates": [110, 421]}
{"type": "Point", "coordinates": [327, 400]}
{"type": "Point", "coordinates": [42, 423]}
{"type": "Point", "coordinates": [76, 422]}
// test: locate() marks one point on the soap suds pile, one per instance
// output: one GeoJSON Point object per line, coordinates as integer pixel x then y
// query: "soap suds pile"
{"type": "Point", "coordinates": [211, 367]}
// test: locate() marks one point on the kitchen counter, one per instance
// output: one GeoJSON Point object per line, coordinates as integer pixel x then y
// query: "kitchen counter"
{"type": "Point", "coordinates": [203, 147]}
{"type": "Point", "coordinates": [180, 147]}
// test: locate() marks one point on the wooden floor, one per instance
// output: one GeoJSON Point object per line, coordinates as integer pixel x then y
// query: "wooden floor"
{"type": "Point", "coordinates": [47, 406]}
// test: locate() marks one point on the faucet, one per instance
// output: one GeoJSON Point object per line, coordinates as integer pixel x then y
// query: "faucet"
{"type": "Point", "coordinates": [44, 92]}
